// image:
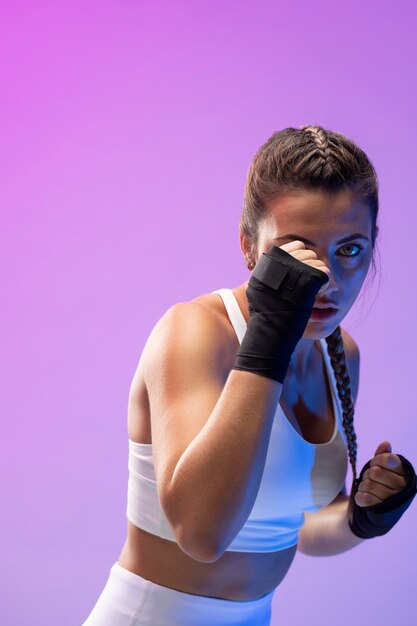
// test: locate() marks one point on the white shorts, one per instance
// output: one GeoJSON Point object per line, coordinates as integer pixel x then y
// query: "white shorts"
{"type": "Point", "coordinates": [130, 600]}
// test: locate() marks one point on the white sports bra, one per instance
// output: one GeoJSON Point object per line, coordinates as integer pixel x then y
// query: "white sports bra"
{"type": "Point", "coordinates": [298, 475]}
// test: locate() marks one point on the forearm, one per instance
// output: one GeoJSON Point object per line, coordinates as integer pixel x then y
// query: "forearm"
{"type": "Point", "coordinates": [217, 478]}
{"type": "Point", "coordinates": [327, 532]}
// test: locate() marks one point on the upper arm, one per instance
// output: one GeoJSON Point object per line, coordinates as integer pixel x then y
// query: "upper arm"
{"type": "Point", "coordinates": [184, 380]}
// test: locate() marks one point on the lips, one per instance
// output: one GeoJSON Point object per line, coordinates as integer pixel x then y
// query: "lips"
{"type": "Point", "coordinates": [325, 305]}
{"type": "Point", "coordinates": [323, 313]}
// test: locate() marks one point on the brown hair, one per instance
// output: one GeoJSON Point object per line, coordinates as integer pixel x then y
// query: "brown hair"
{"type": "Point", "coordinates": [311, 157]}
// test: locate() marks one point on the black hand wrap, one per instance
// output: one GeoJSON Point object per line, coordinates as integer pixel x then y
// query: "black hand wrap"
{"type": "Point", "coordinates": [378, 519]}
{"type": "Point", "coordinates": [281, 294]}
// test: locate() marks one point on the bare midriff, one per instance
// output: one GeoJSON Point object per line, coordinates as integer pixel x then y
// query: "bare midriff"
{"type": "Point", "coordinates": [241, 576]}
{"type": "Point", "coordinates": [234, 576]}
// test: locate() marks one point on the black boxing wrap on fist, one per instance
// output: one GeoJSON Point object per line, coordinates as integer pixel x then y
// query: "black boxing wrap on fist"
{"type": "Point", "coordinates": [281, 294]}
{"type": "Point", "coordinates": [376, 520]}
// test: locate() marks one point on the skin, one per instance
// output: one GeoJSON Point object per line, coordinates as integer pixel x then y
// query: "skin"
{"type": "Point", "coordinates": [341, 214]}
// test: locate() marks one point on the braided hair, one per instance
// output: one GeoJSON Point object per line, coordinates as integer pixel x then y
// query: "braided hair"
{"type": "Point", "coordinates": [311, 157]}
{"type": "Point", "coordinates": [337, 356]}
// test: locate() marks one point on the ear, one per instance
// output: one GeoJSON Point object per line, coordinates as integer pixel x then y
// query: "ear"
{"type": "Point", "coordinates": [247, 250]}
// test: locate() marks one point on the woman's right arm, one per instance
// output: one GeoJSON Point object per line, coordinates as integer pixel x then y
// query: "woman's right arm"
{"type": "Point", "coordinates": [210, 438]}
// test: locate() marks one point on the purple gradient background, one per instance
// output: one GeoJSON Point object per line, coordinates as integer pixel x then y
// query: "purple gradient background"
{"type": "Point", "coordinates": [126, 132]}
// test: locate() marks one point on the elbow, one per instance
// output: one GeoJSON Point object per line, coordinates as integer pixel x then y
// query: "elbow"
{"type": "Point", "coordinates": [197, 547]}
{"type": "Point", "coordinates": [191, 535]}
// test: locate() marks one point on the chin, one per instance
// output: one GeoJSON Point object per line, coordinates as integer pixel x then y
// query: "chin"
{"type": "Point", "coordinates": [320, 329]}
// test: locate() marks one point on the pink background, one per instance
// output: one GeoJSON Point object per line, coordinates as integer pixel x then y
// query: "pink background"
{"type": "Point", "coordinates": [126, 132]}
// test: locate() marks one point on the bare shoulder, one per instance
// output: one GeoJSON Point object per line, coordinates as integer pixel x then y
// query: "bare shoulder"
{"type": "Point", "coordinates": [184, 372]}
{"type": "Point", "coordinates": [353, 361]}
{"type": "Point", "coordinates": [190, 326]}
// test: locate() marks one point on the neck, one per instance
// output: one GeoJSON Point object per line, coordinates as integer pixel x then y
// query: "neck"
{"type": "Point", "coordinates": [301, 359]}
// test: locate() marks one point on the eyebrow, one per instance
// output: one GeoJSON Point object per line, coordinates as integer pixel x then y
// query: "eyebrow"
{"type": "Point", "coordinates": [310, 243]}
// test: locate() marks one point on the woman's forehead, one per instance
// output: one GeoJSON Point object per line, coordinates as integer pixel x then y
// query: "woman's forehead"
{"type": "Point", "coordinates": [317, 210]}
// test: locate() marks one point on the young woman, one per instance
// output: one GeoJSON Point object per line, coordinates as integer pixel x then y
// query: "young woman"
{"type": "Point", "coordinates": [241, 408]}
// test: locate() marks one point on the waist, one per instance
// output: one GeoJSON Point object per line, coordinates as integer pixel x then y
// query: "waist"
{"type": "Point", "coordinates": [238, 576]}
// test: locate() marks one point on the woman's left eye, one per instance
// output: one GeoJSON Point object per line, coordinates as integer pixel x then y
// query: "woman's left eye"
{"type": "Point", "coordinates": [352, 245]}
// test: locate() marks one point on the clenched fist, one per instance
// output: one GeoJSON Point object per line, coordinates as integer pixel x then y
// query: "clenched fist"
{"type": "Point", "coordinates": [384, 478]}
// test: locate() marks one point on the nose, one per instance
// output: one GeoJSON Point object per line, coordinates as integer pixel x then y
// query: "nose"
{"type": "Point", "coordinates": [331, 288]}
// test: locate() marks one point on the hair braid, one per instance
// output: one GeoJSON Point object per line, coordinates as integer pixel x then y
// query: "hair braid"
{"type": "Point", "coordinates": [337, 356]}
{"type": "Point", "coordinates": [320, 154]}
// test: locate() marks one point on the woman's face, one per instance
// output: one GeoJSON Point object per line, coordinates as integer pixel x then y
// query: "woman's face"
{"type": "Point", "coordinates": [338, 227]}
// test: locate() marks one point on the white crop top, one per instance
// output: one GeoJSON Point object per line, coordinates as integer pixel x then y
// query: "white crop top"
{"type": "Point", "coordinates": [298, 476]}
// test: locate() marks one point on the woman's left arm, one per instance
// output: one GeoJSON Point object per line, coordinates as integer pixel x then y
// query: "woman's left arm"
{"type": "Point", "coordinates": [327, 532]}
{"type": "Point", "coordinates": [385, 478]}
{"type": "Point", "coordinates": [379, 501]}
